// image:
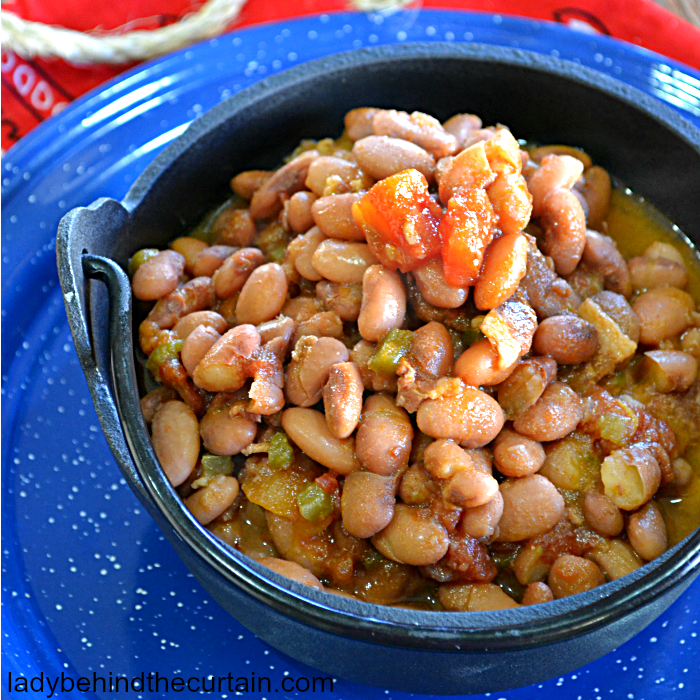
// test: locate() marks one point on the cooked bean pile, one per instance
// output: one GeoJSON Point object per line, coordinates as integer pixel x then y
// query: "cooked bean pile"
{"type": "Point", "coordinates": [445, 385]}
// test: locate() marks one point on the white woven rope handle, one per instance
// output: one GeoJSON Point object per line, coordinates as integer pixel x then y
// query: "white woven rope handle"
{"type": "Point", "coordinates": [32, 39]}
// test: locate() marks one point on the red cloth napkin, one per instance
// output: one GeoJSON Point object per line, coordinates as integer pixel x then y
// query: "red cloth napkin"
{"type": "Point", "coordinates": [34, 90]}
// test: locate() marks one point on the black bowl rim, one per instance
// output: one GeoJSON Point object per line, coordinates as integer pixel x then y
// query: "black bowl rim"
{"type": "Point", "coordinates": [485, 631]}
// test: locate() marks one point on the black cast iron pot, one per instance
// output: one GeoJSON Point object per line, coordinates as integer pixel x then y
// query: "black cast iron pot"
{"type": "Point", "coordinates": [647, 145]}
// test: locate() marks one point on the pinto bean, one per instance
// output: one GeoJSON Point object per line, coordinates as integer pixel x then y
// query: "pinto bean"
{"type": "Point", "coordinates": [153, 401]}
{"type": "Point", "coordinates": [209, 502]}
{"type": "Point", "coordinates": [175, 436]}
{"type": "Point", "coordinates": [310, 367]}
{"type": "Point", "coordinates": [343, 299]}
{"type": "Point", "coordinates": [570, 575]}
{"type": "Point", "coordinates": [646, 531]}
{"type": "Point", "coordinates": [266, 202]}
{"type": "Point", "coordinates": [531, 507]}
{"type": "Point", "coordinates": [342, 261]}
{"type": "Point", "coordinates": [615, 557]}
{"type": "Point", "coordinates": [564, 226]}
{"type": "Point", "coordinates": [445, 458]}
{"type": "Point", "coordinates": [280, 327]}
{"type": "Point", "coordinates": [600, 255]}
{"type": "Point", "coordinates": [383, 303]}
{"type": "Point", "coordinates": [525, 385]}
{"type": "Point", "coordinates": [235, 270]}
{"type": "Point", "coordinates": [516, 455]}
{"type": "Point", "coordinates": [189, 248]}
{"type": "Point", "coordinates": [299, 211]}
{"type": "Point", "coordinates": [188, 323]}
{"type": "Point", "coordinates": [196, 346]}
{"type": "Point", "coordinates": [263, 295]}
{"type": "Point", "coordinates": [478, 365]}
{"type": "Point", "coordinates": [211, 259]}
{"type": "Point", "coordinates": [431, 350]}
{"type": "Point", "coordinates": [326, 324]}
{"type": "Point", "coordinates": [554, 415]}
{"type": "Point", "coordinates": [537, 593]}
{"type": "Point", "coordinates": [474, 597]}
{"type": "Point", "coordinates": [619, 310]}
{"type": "Point", "coordinates": [412, 537]}
{"type": "Point", "coordinates": [505, 264]}
{"type": "Point", "coordinates": [342, 398]}
{"type": "Point", "coordinates": [384, 436]}
{"type": "Point", "coordinates": [470, 488]}
{"type": "Point", "coordinates": [461, 126]}
{"type": "Point", "coordinates": [225, 429]}
{"type": "Point", "coordinates": [555, 171]}
{"type": "Point", "coordinates": [382, 156]}
{"type": "Point", "coordinates": [333, 215]}
{"type": "Point", "coordinates": [292, 570]}
{"type": "Point", "coordinates": [367, 503]}
{"type": "Point", "coordinates": [670, 370]}
{"type": "Point", "coordinates": [569, 340]}
{"type": "Point", "coordinates": [433, 287]}
{"type": "Point", "coordinates": [602, 515]}
{"type": "Point", "coordinates": [361, 354]}
{"type": "Point", "coordinates": [663, 313]}
{"type": "Point", "coordinates": [247, 183]}
{"type": "Point", "coordinates": [682, 471]}
{"type": "Point", "coordinates": [331, 167]}
{"type": "Point", "coordinates": [471, 418]}
{"type": "Point", "coordinates": [482, 521]}
{"type": "Point", "coordinates": [631, 476]}
{"type": "Point", "coordinates": [234, 227]}
{"type": "Point", "coordinates": [158, 276]}
{"type": "Point", "coordinates": [596, 189]}
{"type": "Point", "coordinates": [308, 243]}
{"type": "Point", "coordinates": [224, 367]}
{"type": "Point", "coordinates": [650, 274]}
{"type": "Point", "coordinates": [417, 128]}
{"type": "Point", "coordinates": [310, 433]}
{"type": "Point", "coordinates": [358, 122]}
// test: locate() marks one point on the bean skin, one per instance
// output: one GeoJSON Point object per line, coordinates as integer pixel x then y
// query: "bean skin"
{"type": "Point", "coordinates": [225, 429]}
{"type": "Point", "coordinates": [569, 340]}
{"type": "Point", "coordinates": [342, 261]}
{"type": "Point", "coordinates": [516, 455]}
{"type": "Point", "coordinates": [224, 367]}
{"type": "Point", "coordinates": [188, 323]}
{"type": "Point", "coordinates": [537, 593]}
{"type": "Point", "coordinates": [326, 166]}
{"type": "Point", "coordinates": [310, 433]}
{"type": "Point", "coordinates": [333, 215]}
{"type": "Point", "coordinates": [382, 156]}
{"type": "Point", "coordinates": [412, 537]}
{"type": "Point", "coordinates": [631, 476]}
{"type": "Point", "coordinates": [343, 299]}
{"type": "Point", "coordinates": [175, 436]}
{"type": "Point", "coordinates": [383, 303]}
{"type": "Point", "coordinates": [525, 385]}
{"type": "Point", "coordinates": [478, 365]}
{"type": "Point", "coordinates": [358, 122]}
{"type": "Point", "coordinates": [367, 503]}
{"type": "Point", "coordinates": [299, 210]}
{"type": "Point", "coordinates": [196, 346]}
{"type": "Point", "coordinates": [342, 398]}
{"type": "Point", "coordinates": [472, 418]}
{"type": "Point", "coordinates": [663, 313]}
{"type": "Point", "coordinates": [671, 370]}
{"type": "Point", "coordinates": [646, 531]}
{"type": "Point", "coordinates": [554, 415]}
{"type": "Point", "coordinates": [289, 179]}
{"type": "Point", "coordinates": [505, 264]}
{"type": "Point", "coordinates": [433, 287]}
{"type": "Point", "coordinates": [247, 183]}
{"type": "Point", "coordinates": [211, 259]}
{"type": "Point", "coordinates": [570, 575]}
{"type": "Point", "coordinates": [602, 515]}
{"type": "Point", "coordinates": [263, 295]}
{"type": "Point", "coordinates": [600, 254]}
{"type": "Point", "coordinates": [555, 171]}
{"type": "Point", "coordinates": [209, 502]}
{"type": "Point", "coordinates": [482, 521]}
{"type": "Point", "coordinates": [292, 570]}
{"type": "Point", "coordinates": [384, 436]}
{"type": "Point", "coordinates": [280, 327]}
{"type": "Point", "coordinates": [158, 276]}
{"type": "Point", "coordinates": [564, 226]}
{"type": "Point", "coordinates": [308, 243]}
{"type": "Point", "coordinates": [531, 507]}
{"type": "Point", "coordinates": [235, 270]}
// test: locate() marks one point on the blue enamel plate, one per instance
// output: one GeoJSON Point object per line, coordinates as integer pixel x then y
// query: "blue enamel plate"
{"type": "Point", "coordinates": [90, 587]}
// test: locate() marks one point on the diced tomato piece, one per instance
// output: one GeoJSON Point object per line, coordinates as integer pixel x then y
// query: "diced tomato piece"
{"type": "Point", "coordinates": [388, 254]}
{"type": "Point", "coordinates": [466, 230]}
{"type": "Point", "coordinates": [400, 210]}
{"type": "Point", "coordinates": [511, 202]}
{"type": "Point", "coordinates": [468, 170]}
